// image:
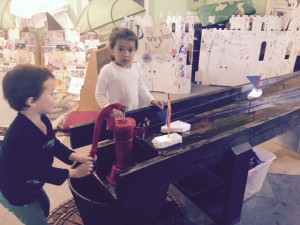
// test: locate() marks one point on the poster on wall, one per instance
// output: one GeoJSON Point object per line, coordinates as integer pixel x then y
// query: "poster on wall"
{"type": "Point", "coordinates": [154, 40]}
{"type": "Point", "coordinates": [165, 52]}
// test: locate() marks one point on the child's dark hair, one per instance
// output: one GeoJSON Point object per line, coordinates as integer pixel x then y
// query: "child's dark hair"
{"type": "Point", "coordinates": [23, 82]}
{"type": "Point", "coordinates": [124, 34]}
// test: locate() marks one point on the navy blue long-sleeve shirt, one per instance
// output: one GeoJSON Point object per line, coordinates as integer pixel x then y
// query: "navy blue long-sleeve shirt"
{"type": "Point", "coordinates": [26, 159]}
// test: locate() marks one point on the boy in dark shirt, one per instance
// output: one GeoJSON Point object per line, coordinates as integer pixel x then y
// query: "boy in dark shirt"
{"type": "Point", "coordinates": [29, 146]}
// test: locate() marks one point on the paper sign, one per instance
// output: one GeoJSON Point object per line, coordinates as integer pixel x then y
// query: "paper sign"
{"type": "Point", "coordinates": [75, 85]}
{"type": "Point", "coordinates": [155, 40]}
{"type": "Point", "coordinates": [5, 68]}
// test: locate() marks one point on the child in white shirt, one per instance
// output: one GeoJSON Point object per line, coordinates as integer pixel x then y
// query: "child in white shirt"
{"type": "Point", "coordinates": [121, 81]}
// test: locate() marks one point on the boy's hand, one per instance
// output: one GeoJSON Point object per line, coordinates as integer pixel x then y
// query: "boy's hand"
{"type": "Point", "coordinates": [81, 171]}
{"type": "Point", "coordinates": [159, 104]}
{"type": "Point", "coordinates": [81, 158]}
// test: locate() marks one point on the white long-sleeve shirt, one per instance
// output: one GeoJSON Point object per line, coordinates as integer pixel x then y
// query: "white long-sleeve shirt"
{"type": "Point", "coordinates": [122, 85]}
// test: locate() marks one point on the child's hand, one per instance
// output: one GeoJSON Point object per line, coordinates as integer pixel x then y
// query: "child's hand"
{"type": "Point", "coordinates": [81, 158]}
{"type": "Point", "coordinates": [81, 171]}
{"type": "Point", "coordinates": [117, 113]}
{"type": "Point", "coordinates": [159, 104]}
{"type": "Point", "coordinates": [85, 158]}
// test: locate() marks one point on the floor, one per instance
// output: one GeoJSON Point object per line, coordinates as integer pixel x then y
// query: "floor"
{"type": "Point", "coordinates": [286, 162]}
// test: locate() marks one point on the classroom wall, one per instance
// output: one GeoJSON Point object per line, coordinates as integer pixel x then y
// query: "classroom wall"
{"type": "Point", "coordinates": [160, 8]}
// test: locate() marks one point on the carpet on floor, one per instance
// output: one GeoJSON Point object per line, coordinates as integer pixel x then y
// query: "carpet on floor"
{"type": "Point", "coordinates": [67, 214]}
{"type": "Point", "coordinates": [278, 202]}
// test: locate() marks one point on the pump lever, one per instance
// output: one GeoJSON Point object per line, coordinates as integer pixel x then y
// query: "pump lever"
{"type": "Point", "coordinates": [104, 114]}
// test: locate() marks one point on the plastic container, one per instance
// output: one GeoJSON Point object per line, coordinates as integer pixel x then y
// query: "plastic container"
{"type": "Point", "coordinates": [257, 175]}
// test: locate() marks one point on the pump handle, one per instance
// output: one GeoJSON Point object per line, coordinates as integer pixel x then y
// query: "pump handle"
{"type": "Point", "coordinates": [105, 113]}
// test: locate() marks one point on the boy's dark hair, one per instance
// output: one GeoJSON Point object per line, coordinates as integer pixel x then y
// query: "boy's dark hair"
{"type": "Point", "coordinates": [23, 82]}
{"type": "Point", "coordinates": [124, 34]}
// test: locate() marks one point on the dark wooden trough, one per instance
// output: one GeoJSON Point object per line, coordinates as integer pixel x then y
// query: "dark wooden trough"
{"type": "Point", "coordinates": [210, 167]}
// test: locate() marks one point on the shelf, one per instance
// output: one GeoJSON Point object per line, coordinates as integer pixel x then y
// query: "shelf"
{"type": "Point", "coordinates": [204, 189]}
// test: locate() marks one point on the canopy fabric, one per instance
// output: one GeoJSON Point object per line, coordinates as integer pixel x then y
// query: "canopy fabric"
{"type": "Point", "coordinates": [29, 8]}
{"type": "Point", "coordinates": [103, 15]}
{"type": "Point", "coordinates": [12, 16]}
{"type": "Point", "coordinates": [98, 15]}
{"type": "Point", "coordinates": [6, 19]}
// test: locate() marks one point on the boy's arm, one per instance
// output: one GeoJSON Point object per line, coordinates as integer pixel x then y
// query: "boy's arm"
{"type": "Point", "coordinates": [63, 153]}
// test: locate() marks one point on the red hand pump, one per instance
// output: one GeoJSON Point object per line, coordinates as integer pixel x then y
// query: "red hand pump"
{"type": "Point", "coordinates": [123, 130]}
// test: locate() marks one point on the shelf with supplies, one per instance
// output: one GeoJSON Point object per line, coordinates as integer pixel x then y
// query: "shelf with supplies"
{"type": "Point", "coordinates": [18, 47]}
